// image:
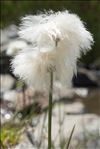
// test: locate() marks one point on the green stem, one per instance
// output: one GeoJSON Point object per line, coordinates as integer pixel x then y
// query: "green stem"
{"type": "Point", "coordinates": [50, 110]}
{"type": "Point", "coordinates": [2, 145]}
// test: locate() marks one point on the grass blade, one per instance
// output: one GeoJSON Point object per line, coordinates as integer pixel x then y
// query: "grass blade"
{"type": "Point", "coordinates": [70, 137]}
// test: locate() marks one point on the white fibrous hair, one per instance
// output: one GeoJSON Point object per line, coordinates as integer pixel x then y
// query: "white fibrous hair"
{"type": "Point", "coordinates": [15, 46]}
{"type": "Point", "coordinates": [58, 39]}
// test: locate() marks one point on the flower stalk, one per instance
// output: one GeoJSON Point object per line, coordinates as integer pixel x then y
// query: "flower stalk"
{"type": "Point", "coordinates": [50, 110]}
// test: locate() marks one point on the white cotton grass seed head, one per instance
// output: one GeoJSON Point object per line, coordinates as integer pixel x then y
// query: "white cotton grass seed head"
{"type": "Point", "coordinates": [15, 46]}
{"type": "Point", "coordinates": [58, 40]}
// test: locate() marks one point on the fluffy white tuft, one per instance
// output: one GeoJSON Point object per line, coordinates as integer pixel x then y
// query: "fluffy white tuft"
{"type": "Point", "coordinates": [58, 39]}
{"type": "Point", "coordinates": [15, 46]}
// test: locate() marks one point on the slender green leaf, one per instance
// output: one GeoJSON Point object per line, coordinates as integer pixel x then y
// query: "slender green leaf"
{"type": "Point", "coordinates": [70, 137]}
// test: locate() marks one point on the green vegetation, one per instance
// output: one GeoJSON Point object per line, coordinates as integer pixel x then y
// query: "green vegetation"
{"type": "Point", "coordinates": [9, 137]}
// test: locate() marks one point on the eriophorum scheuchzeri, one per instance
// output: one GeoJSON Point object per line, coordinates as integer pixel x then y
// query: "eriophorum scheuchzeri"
{"type": "Point", "coordinates": [58, 39]}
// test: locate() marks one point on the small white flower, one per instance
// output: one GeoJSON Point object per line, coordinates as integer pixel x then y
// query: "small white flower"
{"type": "Point", "coordinates": [15, 46]}
{"type": "Point", "coordinates": [58, 40]}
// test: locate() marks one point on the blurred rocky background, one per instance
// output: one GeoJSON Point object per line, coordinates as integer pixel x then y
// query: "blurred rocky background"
{"type": "Point", "coordinates": [24, 109]}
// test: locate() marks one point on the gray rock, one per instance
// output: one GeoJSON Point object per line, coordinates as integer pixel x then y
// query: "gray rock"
{"type": "Point", "coordinates": [7, 82]}
{"type": "Point", "coordinates": [87, 125]}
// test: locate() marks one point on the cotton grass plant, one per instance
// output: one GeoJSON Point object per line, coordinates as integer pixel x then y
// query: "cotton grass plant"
{"type": "Point", "coordinates": [58, 39]}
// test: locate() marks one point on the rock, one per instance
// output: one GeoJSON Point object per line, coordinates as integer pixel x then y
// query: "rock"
{"type": "Point", "coordinates": [97, 74]}
{"type": "Point", "coordinates": [7, 35]}
{"type": "Point", "coordinates": [86, 125]}
{"type": "Point", "coordinates": [85, 78]}
{"type": "Point", "coordinates": [10, 96]}
{"type": "Point", "coordinates": [11, 31]}
{"type": "Point", "coordinates": [74, 108]}
{"type": "Point", "coordinates": [92, 101]}
{"type": "Point", "coordinates": [7, 82]}
{"type": "Point", "coordinates": [4, 38]}
{"type": "Point", "coordinates": [95, 65]}
{"type": "Point", "coordinates": [41, 98]}
{"type": "Point", "coordinates": [82, 92]}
